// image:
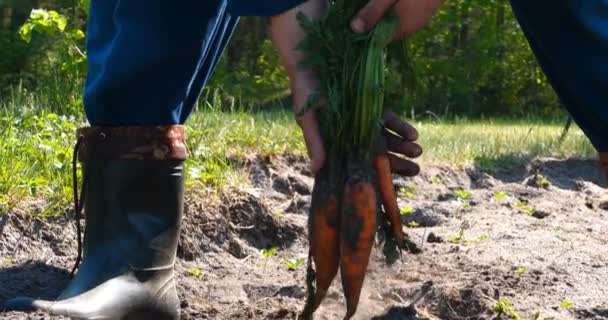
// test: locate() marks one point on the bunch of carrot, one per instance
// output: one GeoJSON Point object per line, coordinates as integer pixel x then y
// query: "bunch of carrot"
{"type": "Point", "coordinates": [355, 184]}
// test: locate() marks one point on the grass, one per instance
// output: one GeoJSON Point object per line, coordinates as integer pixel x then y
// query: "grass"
{"type": "Point", "coordinates": [36, 147]}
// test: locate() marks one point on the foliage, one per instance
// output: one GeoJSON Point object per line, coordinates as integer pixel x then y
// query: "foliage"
{"type": "Point", "coordinates": [565, 304]}
{"type": "Point", "coordinates": [294, 264]}
{"type": "Point", "coordinates": [195, 272]}
{"type": "Point", "coordinates": [52, 24]}
{"type": "Point", "coordinates": [471, 60]}
{"type": "Point", "coordinates": [504, 306]}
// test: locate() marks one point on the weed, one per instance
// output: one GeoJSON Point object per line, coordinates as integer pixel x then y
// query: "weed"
{"type": "Point", "coordinates": [413, 224]}
{"type": "Point", "coordinates": [499, 195]}
{"type": "Point", "coordinates": [195, 272]}
{"type": "Point", "coordinates": [463, 194]}
{"type": "Point", "coordinates": [522, 206]}
{"type": "Point", "coordinates": [408, 192]}
{"type": "Point", "coordinates": [566, 305]}
{"type": "Point", "coordinates": [267, 254]}
{"type": "Point", "coordinates": [543, 182]}
{"type": "Point", "coordinates": [460, 238]}
{"type": "Point", "coordinates": [463, 197]}
{"type": "Point", "coordinates": [436, 180]}
{"type": "Point", "coordinates": [294, 264]}
{"type": "Point", "coordinates": [407, 210]}
{"type": "Point", "coordinates": [503, 306]}
{"type": "Point", "coordinates": [520, 271]}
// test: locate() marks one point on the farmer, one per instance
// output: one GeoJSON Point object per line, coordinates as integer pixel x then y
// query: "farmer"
{"type": "Point", "coordinates": [149, 60]}
{"type": "Point", "coordinates": [147, 64]}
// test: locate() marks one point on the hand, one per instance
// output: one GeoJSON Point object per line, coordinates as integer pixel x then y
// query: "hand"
{"type": "Point", "coordinates": [413, 15]}
{"type": "Point", "coordinates": [401, 145]}
{"type": "Point", "coordinates": [286, 34]}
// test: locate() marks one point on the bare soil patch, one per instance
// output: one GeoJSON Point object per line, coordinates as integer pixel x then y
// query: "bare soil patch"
{"type": "Point", "coordinates": [535, 234]}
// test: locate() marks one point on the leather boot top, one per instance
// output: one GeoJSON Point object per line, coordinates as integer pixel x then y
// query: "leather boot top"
{"type": "Point", "coordinates": [132, 143]}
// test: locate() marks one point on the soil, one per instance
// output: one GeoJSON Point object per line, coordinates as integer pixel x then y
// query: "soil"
{"type": "Point", "coordinates": [542, 246]}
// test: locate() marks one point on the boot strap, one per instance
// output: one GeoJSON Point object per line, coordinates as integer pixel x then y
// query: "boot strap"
{"type": "Point", "coordinates": [132, 143]}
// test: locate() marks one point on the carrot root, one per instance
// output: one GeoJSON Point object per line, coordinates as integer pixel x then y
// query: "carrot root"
{"type": "Point", "coordinates": [389, 197]}
{"type": "Point", "coordinates": [358, 229]}
{"type": "Point", "coordinates": [325, 247]}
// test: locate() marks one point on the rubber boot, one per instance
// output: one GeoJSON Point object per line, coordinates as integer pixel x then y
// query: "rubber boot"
{"type": "Point", "coordinates": [133, 200]}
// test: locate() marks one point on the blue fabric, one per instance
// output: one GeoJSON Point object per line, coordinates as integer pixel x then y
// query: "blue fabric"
{"type": "Point", "coordinates": [570, 40]}
{"type": "Point", "coordinates": [149, 60]}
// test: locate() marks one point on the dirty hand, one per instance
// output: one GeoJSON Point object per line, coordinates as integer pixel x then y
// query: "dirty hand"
{"type": "Point", "coordinates": [413, 14]}
{"type": "Point", "coordinates": [286, 34]}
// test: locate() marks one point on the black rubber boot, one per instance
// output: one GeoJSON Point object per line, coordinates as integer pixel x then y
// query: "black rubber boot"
{"type": "Point", "coordinates": [133, 198]}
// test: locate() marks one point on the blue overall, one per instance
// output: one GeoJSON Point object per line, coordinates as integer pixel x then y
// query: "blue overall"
{"type": "Point", "coordinates": [149, 60]}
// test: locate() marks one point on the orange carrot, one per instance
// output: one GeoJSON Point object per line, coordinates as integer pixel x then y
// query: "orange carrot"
{"type": "Point", "coordinates": [358, 230]}
{"type": "Point", "coordinates": [325, 246]}
{"type": "Point", "coordinates": [389, 197]}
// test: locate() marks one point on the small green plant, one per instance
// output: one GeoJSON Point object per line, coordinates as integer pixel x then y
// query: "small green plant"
{"type": "Point", "coordinates": [6, 261]}
{"type": "Point", "coordinates": [463, 194]}
{"type": "Point", "coordinates": [463, 197]}
{"type": "Point", "coordinates": [464, 203]}
{"type": "Point", "coordinates": [267, 254]}
{"type": "Point", "coordinates": [566, 305]}
{"type": "Point", "coordinates": [413, 224]}
{"type": "Point", "coordinates": [195, 272]}
{"type": "Point", "coordinates": [279, 214]}
{"type": "Point", "coordinates": [407, 210]}
{"type": "Point", "coordinates": [458, 238]}
{"type": "Point", "coordinates": [530, 211]}
{"type": "Point", "coordinates": [523, 207]}
{"type": "Point", "coordinates": [499, 195]}
{"type": "Point", "coordinates": [503, 306]}
{"type": "Point", "coordinates": [482, 238]}
{"type": "Point", "coordinates": [520, 270]}
{"type": "Point", "coordinates": [543, 182]}
{"type": "Point", "coordinates": [294, 264]}
{"type": "Point", "coordinates": [408, 191]}
{"type": "Point", "coordinates": [436, 180]}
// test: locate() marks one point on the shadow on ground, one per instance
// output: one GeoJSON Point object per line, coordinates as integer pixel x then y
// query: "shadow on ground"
{"type": "Point", "coordinates": [561, 173]}
{"type": "Point", "coordinates": [33, 279]}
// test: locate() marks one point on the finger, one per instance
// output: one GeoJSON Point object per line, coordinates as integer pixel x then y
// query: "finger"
{"type": "Point", "coordinates": [314, 143]}
{"type": "Point", "coordinates": [406, 148]}
{"type": "Point", "coordinates": [402, 128]}
{"type": "Point", "coordinates": [403, 167]}
{"type": "Point", "coordinates": [370, 15]}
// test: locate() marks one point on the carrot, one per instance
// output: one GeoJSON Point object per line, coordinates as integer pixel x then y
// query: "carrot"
{"type": "Point", "coordinates": [352, 82]}
{"type": "Point", "coordinates": [323, 237]}
{"type": "Point", "coordinates": [325, 245]}
{"type": "Point", "coordinates": [358, 230]}
{"type": "Point", "coordinates": [382, 167]}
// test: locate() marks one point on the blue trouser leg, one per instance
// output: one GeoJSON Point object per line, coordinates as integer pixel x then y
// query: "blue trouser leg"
{"type": "Point", "coordinates": [149, 60]}
{"type": "Point", "coordinates": [570, 41]}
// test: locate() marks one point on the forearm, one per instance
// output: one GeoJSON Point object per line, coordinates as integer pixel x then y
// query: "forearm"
{"type": "Point", "coordinates": [286, 34]}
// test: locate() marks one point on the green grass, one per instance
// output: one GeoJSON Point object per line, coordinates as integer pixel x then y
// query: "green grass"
{"type": "Point", "coordinates": [491, 143]}
{"type": "Point", "coordinates": [36, 148]}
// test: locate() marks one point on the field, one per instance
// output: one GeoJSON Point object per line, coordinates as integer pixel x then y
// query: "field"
{"type": "Point", "coordinates": [511, 223]}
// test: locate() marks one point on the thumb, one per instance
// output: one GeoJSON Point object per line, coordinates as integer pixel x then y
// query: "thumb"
{"type": "Point", "coordinates": [369, 16]}
{"type": "Point", "coordinates": [314, 143]}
